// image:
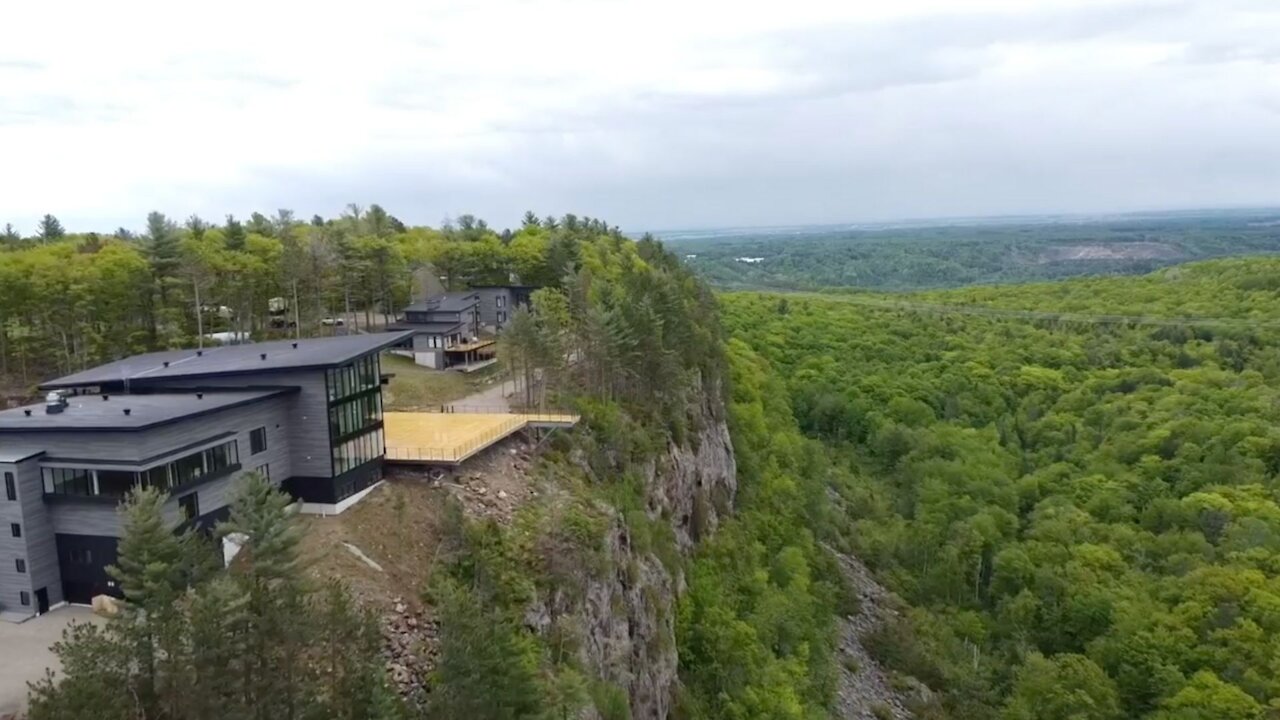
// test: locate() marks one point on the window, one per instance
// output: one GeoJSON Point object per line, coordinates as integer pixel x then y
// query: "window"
{"type": "Point", "coordinates": [502, 301]}
{"type": "Point", "coordinates": [116, 483]}
{"type": "Point", "coordinates": [89, 482]}
{"type": "Point", "coordinates": [15, 529]}
{"type": "Point", "coordinates": [189, 507]}
{"type": "Point", "coordinates": [257, 441]}
{"type": "Point", "coordinates": [80, 556]}
{"type": "Point", "coordinates": [10, 487]}
{"type": "Point", "coordinates": [20, 565]}
{"type": "Point", "coordinates": [24, 597]}
{"type": "Point", "coordinates": [502, 316]}
{"type": "Point", "coordinates": [264, 470]}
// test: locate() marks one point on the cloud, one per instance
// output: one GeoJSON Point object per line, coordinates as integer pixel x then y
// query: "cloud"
{"type": "Point", "coordinates": [654, 114]}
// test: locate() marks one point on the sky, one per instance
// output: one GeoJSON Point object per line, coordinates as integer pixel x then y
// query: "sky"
{"type": "Point", "coordinates": [651, 115]}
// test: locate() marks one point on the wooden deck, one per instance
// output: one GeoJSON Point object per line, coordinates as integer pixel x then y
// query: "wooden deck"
{"type": "Point", "coordinates": [451, 438]}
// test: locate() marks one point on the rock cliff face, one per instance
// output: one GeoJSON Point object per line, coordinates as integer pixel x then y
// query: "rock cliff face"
{"type": "Point", "coordinates": [625, 619]}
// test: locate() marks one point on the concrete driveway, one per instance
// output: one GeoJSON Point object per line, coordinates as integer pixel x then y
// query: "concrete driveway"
{"type": "Point", "coordinates": [24, 652]}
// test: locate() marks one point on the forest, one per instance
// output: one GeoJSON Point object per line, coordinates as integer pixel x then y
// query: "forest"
{"type": "Point", "coordinates": [620, 330]}
{"type": "Point", "coordinates": [939, 255]}
{"type": "Point", "coordinates": [73, 300]}
{"type": "Point", "coordinates": [1082, 518]}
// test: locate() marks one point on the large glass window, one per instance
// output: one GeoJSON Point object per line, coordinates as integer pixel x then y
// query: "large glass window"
{"type": "Point", "coordinates": [357, 451]}
{"type": "Point", "coordinates": [353, 378]}
{"type": "Point", "coordinates": [89, 482]}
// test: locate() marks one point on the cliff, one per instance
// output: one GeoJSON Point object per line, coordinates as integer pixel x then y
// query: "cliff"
{"type": "Point", "coordinates": [625, 616]}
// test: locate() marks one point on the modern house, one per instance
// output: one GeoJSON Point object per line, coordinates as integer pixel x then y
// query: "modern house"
{"type": "Point", "coordinates": [307, 414]}
{"type": "Point", "coordinates": [458, 328]}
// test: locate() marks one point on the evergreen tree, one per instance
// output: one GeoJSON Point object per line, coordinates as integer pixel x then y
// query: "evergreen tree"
{"type": "Point", "coordinates": [50, 229]}
{"type": "Point", "coordinates": [10, 236]}
{"type": "Point", "coordinates": [260, 225]}
{"type": "Point", "coordinates": [234, 233]}
{"type": "Point", "coordinates": [269, 572]}
{"type": "Point", "coordinates": [488, 667]}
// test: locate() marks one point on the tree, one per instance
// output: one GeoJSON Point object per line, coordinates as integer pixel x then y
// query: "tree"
{"type": "Point", "coordinates": [1064, 687]}
{"type": "Point", "coordinates": [196, 226]}
{"type": "Point", "coordinates": [271, 580]}
{"type": "Point", "coordinates": [1206, 697]}
{"type": "Point", "coordinates": [487, 666]}
{"type": "Point", "coordinates": [155, 567]}
{"type": "Point", "coordinates": [258, 223]}
{"type": "Point", "coordinates": [235, 233]}
{"type": "Point", "coordinates": [50, 229]}
{"type": "Point", "coordinates": [10, 236]}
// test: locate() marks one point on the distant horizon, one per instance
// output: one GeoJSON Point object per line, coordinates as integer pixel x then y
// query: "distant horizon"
{"type": "Point", "coordinates": [993, 219]}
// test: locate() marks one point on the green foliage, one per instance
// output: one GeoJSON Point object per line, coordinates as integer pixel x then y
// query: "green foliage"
{"type": "Point", "coordinates": [196, 642]}
{"type": "Point", "coordinates": [756, 627]}
{"type": "Point", "coordinates": [488, 666]}
{"type": "Point", "coordinates": [1052, 489]}
{"type": "Point", "coordinates": [1065, 687]}
{"type": "Point", "coordinates": [908, 258]}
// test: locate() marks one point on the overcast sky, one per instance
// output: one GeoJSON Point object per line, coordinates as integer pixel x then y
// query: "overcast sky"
{"type": "Point", "coordinates": [655, 114]}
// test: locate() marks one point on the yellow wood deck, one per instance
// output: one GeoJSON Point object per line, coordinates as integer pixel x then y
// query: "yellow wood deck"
{"type": "Point", "coordinates": [450, 438]}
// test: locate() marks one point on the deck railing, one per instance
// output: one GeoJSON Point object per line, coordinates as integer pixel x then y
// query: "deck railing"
{"type": "Point", "coordinates": [458, 451]}
{"type": "Point", "coordinates": [541, 415]}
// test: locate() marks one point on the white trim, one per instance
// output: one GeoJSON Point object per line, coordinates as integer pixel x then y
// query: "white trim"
{"type": "Point", "coordinates": [307, 508]}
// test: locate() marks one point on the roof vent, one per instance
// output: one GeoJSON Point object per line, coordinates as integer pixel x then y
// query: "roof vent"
{"type": "Point", "coordinates": [27, 412]}
{"type": "Point", "coordinates": [295, 346]}
{"type": "Point", "coordinates": [199, 396]}
{"type": "Point", "coordinates": [105, 397]}
{"type": "Point", "coordinates": [128, 411]}
{"type": "Point", "coordinates": [166, 363]}
{"type": "Point", "coordinates": [199, 353]}
{"type": "Point", "coordinates": [54, 403]}
{"type": "Point", "coordinates": [264, 356]}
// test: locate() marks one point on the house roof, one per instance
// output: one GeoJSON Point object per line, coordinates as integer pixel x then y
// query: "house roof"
{"type": "Point", "coordinates": [93, 412]}
{"type": "Point", "coordinates": [448, 302]}
{"type": "Point", "coordinates": [427, 328]}
{"type": "Point", "coordinates": [281, 355]}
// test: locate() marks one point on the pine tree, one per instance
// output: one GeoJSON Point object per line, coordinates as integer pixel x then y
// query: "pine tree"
{"type": "Point", "coordinates": [234, 233]}
{"type": "Point", "coordinates": [269, 572]}
{"type": "Point", "coordinates": [488, 667]}
{"type": "Point", "coordinates": [10, 236]}
{"type": "Point", "coordinates": [50, 229]}
{"type": "Point", "coordinates": [155, 567]}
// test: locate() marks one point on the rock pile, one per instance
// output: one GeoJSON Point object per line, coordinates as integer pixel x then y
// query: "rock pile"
{"type": "Point", "coordinates": [410, 638]}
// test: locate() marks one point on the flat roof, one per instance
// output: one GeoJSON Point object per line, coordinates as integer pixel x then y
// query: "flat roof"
{"type": "Point", "coordinates": [281, 355]}
{"type": "Point", "coordinates": [91, 412]}
{"type": "Point", "coordinates": [428, 328]}
{"type": "Point", "coordinates": [448, 302]}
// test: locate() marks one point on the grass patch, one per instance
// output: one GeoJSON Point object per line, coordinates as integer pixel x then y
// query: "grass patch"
{"type": "Point", "coordinates": [418, 388]}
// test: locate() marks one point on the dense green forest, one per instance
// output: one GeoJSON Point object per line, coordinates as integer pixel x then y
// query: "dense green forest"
{"type": "Point", "coordinates": [915, 257]}
{"type": "Point", "coordinates": [1084, 518]}
{"type": "Point", "coordinates": [621, 331]}
{"type": "Point", "coordinates": [73, 300]}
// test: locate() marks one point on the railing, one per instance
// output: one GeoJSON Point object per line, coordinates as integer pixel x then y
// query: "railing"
{"type": "Point", "coordinates": [540, 415]}
{"type": "Point", "coordinates": [458, 451]}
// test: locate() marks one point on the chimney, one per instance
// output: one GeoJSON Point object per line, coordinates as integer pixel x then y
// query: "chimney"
{"type": "Point", "coordinates": [127, 411]}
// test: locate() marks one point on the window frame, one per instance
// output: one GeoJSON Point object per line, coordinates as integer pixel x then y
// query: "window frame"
{"type": "Point", "coordinates": [15, 529]}
{"type": "Point", "coordinates": [20, 566]}
{"type": "Point", "coordinates": [258, 440]}
{"type": "Point", "coordinates": [10, 486]}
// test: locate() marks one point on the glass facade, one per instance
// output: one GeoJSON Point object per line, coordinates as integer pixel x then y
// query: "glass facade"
{"type": "Point", "coordinates": [355, 413]}
{"type": "Point", "coordinates": [97, 482]}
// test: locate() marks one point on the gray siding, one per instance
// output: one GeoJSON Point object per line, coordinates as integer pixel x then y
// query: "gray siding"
{"type": "Point", "coordinates": [489, 307]}
{"type": "Point", "coordinates": [305, 420]}
{"type": "Point", "coordinates": [37, 545]}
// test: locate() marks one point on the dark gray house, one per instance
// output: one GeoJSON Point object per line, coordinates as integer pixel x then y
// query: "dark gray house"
{"type": "Point", "coordinates": [306, 414]}
{"type": "Point", "coordinates": [458, 328]}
